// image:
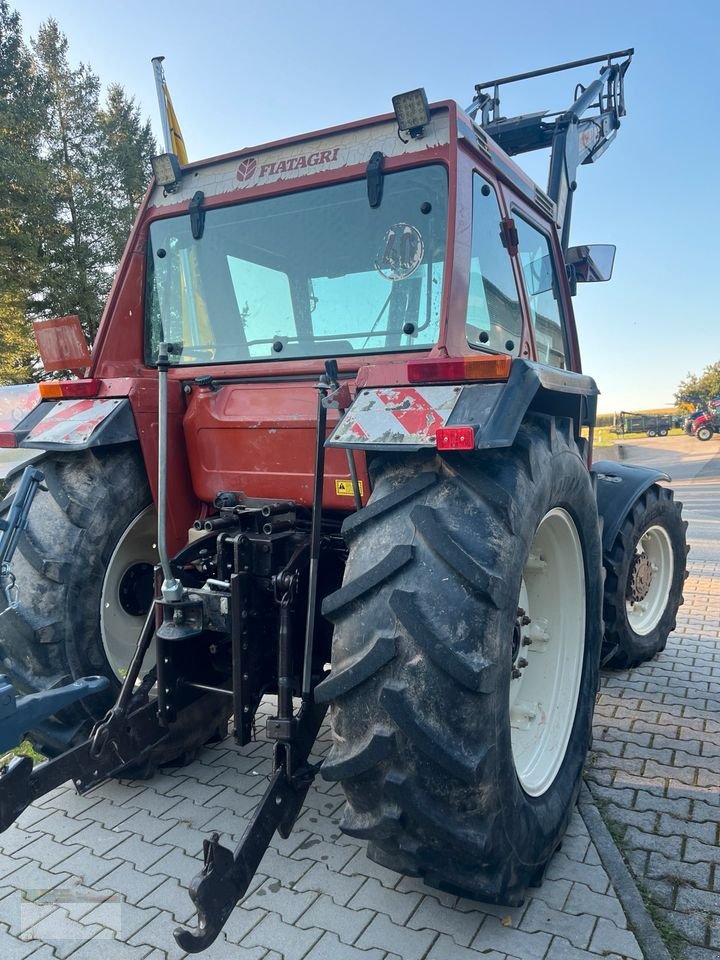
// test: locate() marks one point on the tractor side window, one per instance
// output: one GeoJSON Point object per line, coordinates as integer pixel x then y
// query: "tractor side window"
{"type": "Point", "coordinates": [494, 316]}
{"type": "Point", "coordinates": [543, 293]}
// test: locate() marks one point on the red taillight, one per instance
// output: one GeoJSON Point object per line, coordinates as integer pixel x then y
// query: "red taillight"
{"type": "Point", "coordinates": [486, 367]}
{"type": "Point", "coordinates": [69, 389]}
{"type": "Point", "coordinates": [8, 439]}
{"type": "Point", "coordinates": [455, 438]}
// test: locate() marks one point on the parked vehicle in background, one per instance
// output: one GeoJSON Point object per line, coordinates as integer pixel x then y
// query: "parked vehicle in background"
{"type": "Point", "coordinates": [654, 425]}
{"type": "Point", "coordinates": [704, 422]}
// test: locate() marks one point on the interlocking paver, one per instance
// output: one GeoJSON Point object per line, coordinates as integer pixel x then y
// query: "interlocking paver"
{"type": "Point", "coordinates": [63, 934]}
{"type": "Point", "coordinates": [386, 935]}
{"type": "Point", "coordinates": [171, 897]}
{"type": "Point", "coordinates": [583, 900]}
{"type": "Point", "coordinates": [289, 941]}
{"type": "Point", "coordinates": [329, 947]}
{"type": "Point", "coordinates": [577, 928]}
{"type": "Point", "coordinates": [398, 906]}
{"type": "Point", "coordinates": [432, 915]}
{"type": "Point", "coordinates": [120, 917]}
{"type": "Point", "coordinates": [109, 949]}
{"type": "Point", "coordinates": [608, 937]}
{"type": "Point", "coordinates": [87, 867]}
{"type": "Point", "coordinates": [320, 879]}
{"type": "Point", "coordinates": [493, 935]}
{"type": "Point", "coordinates": [325, 914]}
{"type": "Point", "coordinates": [274, 896]}
{"type": "Point", "coordinates": [445, 948]}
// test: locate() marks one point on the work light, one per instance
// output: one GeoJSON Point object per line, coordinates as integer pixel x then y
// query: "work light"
{"type": "Point", "coordinates": [166, 168]}
{"type": "Point", "coordinates": [411, 111]}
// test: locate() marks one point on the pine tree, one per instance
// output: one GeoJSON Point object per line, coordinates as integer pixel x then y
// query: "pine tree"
{"type": "Point", "coordinates": [77, 251]}
{"type": "Point", "coordinates": [126, 147]}
{"type": "Point", "coordinates": [71, 177]}
{"type": "Point", "coordinates": [24, 207]}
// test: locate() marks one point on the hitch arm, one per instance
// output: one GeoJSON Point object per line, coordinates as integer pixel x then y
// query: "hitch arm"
{"type": "Point", "coordinates": [225, 876]}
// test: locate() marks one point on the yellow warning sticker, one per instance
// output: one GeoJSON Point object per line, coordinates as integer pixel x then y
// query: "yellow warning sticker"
{"type": "Point", "coordinates": [344, 488]}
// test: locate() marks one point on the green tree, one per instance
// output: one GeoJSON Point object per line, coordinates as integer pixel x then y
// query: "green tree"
{"type": "Point", "coordinates": [76, 253]}
{"type": "Point", "coordinates": [72, 174]}
{"type": "Point", "coordinates": [100, 157]}
{"type": "Point", "coordinates": [126, 146]}
{"type": "Point", "coordinates": [696, 389]}
{"type": "Point", "coordinates": [24, 207]}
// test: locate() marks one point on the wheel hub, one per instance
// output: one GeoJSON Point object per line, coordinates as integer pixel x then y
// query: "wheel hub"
{"type": "Point", "coordinates": [547, 649]}
{"type": "Point", "coordinates": [127, 591]}
{"type": "Point", "coordinates": [640, 579]}
{"type": "Point", "coordinates": [519, 640]}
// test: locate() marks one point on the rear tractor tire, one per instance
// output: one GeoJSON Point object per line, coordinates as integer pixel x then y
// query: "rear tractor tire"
{"type": "Point", "coordinates": [84, 570]}
{"type": "Point", "coordinates": [645, 573]}
{"type": "Point", "coordinates": [465, 661]}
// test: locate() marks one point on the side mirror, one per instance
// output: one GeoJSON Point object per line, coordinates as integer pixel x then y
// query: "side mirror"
{"type": "Point", "coordinates": [592, 263]}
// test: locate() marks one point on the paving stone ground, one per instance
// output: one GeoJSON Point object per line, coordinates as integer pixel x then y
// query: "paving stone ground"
{"type": "Point", "coordinates": [104, 876]}
{"type": "Point", "coordinates": [655, 770]}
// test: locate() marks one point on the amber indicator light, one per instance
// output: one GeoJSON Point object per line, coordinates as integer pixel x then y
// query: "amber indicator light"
{"type": "Point", "coordinates": [69, 389]}
{"type": "Point", "coordinates": [458, 371]}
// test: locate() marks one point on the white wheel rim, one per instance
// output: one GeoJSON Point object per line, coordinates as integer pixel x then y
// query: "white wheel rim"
{"type": "Point", "coordinates": [646, 604]}
{"type": "Point", "coordinates": [122, 606]}
{"type": "Point", "coordinates": [543, 698]}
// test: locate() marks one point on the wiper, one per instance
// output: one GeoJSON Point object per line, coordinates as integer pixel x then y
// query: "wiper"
{"type": "Point", "coordinates": [375, 177]}
{"type": "Point", "coordinates": [197, 215]}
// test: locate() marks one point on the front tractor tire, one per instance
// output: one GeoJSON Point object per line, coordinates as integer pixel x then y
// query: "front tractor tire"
{"type": "Point", "coordinates": [705, 433]}
{"type": "Point", "coordinates": [645, 573]}
{"type": "Point", "coordinates": [465, 661]}
{"type": "Point", "coordinates": [84, 571]}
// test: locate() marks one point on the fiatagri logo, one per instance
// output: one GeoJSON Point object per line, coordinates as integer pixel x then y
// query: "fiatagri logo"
{"type": "Point", "coordinates": [250, 167]}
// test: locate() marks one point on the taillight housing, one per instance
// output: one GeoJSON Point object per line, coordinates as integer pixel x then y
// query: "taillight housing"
{"type": "Point", "coordinates": [69, 389]}
{"type": "Point", "coordinates": [460, 370]}
{"type": "Point", "coordinates": [455, 438]}
{"type": "Point", "coordinates": [8, 439]}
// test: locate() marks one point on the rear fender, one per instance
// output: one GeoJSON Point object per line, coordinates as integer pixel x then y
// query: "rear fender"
{"type": "Point", "coordinates": [619, 485]}
{"type": "Point", "coordinates": [408, 417]}
{"type": "Point", "coordinates": [80, 425]}
{"type": "Point", "coordinates": [19, 407]}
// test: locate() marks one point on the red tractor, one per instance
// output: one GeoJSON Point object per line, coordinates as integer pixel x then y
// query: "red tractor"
{"type": "Point", "coordinates": [335, 414]}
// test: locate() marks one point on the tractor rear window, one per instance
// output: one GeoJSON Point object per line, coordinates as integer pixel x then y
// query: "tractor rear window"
{"type": "Point", "coordinates": [314, 273]}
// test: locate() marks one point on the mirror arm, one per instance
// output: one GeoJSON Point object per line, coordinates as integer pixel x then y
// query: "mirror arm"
{"type": "Point", "coordinates": [572, 278]}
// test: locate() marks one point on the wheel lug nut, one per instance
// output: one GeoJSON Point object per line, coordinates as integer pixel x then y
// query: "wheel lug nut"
{"type": "Point", "coordinates": [525, 621]}
{"type": "Point", "coordinates": [522, 663]}
{"type": "Point", "coordinates": [516, 674]}
{"type": "Point", "coordinates": [526, 641]}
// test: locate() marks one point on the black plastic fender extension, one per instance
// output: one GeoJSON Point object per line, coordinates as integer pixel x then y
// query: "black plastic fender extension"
{"type": "Point", "coordinates": [618, 487]}
{"type": "Point", "coordinates": [495, 410]}
{"type": "Point", "coordinates": [78, 424]}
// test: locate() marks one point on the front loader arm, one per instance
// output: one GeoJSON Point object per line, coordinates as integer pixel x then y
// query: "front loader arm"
{"type": "Point", "coordinates": [572, 137]}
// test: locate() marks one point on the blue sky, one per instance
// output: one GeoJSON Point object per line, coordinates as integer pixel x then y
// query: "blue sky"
{"type": "Point", "coordinates": [242, 74]}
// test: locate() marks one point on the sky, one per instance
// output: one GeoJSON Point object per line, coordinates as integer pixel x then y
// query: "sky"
{"type": "Point", "coordinates": [242, 74]}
